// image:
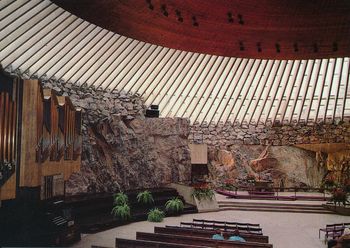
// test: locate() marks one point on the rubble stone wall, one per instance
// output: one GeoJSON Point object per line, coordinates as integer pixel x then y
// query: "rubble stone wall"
{"type": "Point", "coordinates": [224, 135]}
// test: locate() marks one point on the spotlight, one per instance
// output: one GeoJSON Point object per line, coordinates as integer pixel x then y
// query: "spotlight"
{"type": "Point", "coordinates": [194, 21]}
{"type": "Point", "coordinates": [165, 12]}
{"type": "Point", "coordinates": [240, 19]}
{"type": "Point", "coordinates": [278, 48]}
{"type": "Point", "coordinates": [296, 48]}
{"type": "Point", "coordinates": [241, 46]}
{"type": "Point", "coordinates": [230, 17]}
{"type": "Point", "coordinates": [259, 47]}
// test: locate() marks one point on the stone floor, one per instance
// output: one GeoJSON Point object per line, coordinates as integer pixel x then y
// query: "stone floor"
{"type": "Point", "coordinates": [286, 230]}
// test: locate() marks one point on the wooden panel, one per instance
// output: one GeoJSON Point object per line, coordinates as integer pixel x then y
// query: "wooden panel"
{"type": "Point", "coordinates": [31, 136]}
{"type": "Point", "coordinates": [8, 190]}
{"type": "Point", "coordinates": [41, 136]}
{"type": "Point", "coordinates": [273, 29]}
{"type": "Point", "coordinates": [67, 167]}
{"type": "Point", "coordinates": [77, 134]}
{"type": "Point", "coordinates": [199, 153]}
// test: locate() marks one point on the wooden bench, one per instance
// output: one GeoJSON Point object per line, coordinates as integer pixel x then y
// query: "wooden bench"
{"type": "Point", "coordinates": [227, 223]}
{"type": "Point", "coordinates": [223, 227]}
{"type": "Point", "coordinates": [208, 233]}
{"type": "Point", "coordinates": [177, 239]}
{"type": "Point", "coordinates": [333, 230]}
{"type": "Point", "coordinates": [128, 243]}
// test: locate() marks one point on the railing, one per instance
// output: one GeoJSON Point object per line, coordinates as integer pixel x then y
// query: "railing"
{"type": "Point", "coordinates": [275, 192]}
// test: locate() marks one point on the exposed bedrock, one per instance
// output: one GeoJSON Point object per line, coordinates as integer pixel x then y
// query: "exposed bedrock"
{"type": "Point", "coordinates": [294, 166]}
{"type": "Point", "coordinates": [141, 153]}
{"type": "Point", "coordinates": [121, 148]}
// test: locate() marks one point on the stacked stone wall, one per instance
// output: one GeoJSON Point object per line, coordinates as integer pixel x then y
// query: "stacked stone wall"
{"type": "Point", "coordinates": [281, 135]}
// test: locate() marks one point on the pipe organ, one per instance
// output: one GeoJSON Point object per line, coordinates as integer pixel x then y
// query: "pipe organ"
{"type": "Point", "coordinates": [8, 133]}
{"type": "Point", "coordinates": [40, 145]}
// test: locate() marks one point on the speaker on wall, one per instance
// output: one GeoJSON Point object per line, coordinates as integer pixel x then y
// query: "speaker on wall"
{"type": "Point", "coordinates": [152, 111]}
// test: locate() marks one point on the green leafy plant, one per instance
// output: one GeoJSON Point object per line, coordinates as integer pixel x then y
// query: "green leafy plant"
{"type": "Point", "coordinates": [155, 215]}
{"type": "Point", "coordinates": [203, 193]}
{"type": "Point", "coordinates": [122, 211]}
{"type": "Point", "coordinates": [145, 197]}
{"type": "Point", "coordinates": [174, 206]}
{"type": "Point", "coordinates": [229, 185]}
{"type": "Point", "coordinates": [120, 199]}
{"type": "Point", "coordinates": [339, 196]}
{"type": "Point", "coordinates": [347, 185]}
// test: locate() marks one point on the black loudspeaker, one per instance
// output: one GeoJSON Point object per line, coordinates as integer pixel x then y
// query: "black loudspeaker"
{"type": "Point", "coordinates": [153, 112]}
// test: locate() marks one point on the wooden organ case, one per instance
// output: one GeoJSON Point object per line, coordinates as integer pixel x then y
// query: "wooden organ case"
{"type": "Point", "coordinates": [41, 146]}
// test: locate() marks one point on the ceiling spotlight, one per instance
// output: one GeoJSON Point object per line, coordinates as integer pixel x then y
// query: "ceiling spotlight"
{"type": "Point", "coordinates": [335, 46]}
{"type": "Point", "coordinates": [240, 19]}
{"type": "Point", "coordinates": [194, 21]}
{"type": "Point", "coordinates": [179, 17]}
{"type": "Point", "coordinates": [164, 11]}
{"type": "Point", "coordinates": [241, 46]}
{"type": "Point", "coordinates": [150, 5]}
{"type": "Point", "coordinates": [230, 17]}
{"type": "Point", "coordinates": [278, 48]}
{"type": "Point", "coordinates": [295, 46]}
{"type": "Point", "coordinates": [259, 47]}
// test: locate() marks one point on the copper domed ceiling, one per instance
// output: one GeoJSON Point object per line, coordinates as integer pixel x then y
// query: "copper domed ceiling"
{"type": "Point", "coordinates": [268, 29]}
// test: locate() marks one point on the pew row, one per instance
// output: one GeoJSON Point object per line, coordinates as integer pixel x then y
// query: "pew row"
{"type": "Point", "coordinates": [207, 242]}
{"type": "Point", "coordinates": [227, 223]}
{"type": "Point", "coordinates": [223, 227]}
{"type": "Point", "coordinates": [208, 233]}
{"type": "Point", "coordinates": [128, 243]}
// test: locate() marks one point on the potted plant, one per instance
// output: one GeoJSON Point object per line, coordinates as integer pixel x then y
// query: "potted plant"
{"type": "Point", "coordinates": [155, 215]}
{"type": "Point", "coordinates": [122, 211]}
{"type": "Point", "coordinates": [120, 199]}
{"type": "Point", "coordinates": [174, 206]}
{"type": "Point", "coordinates": [203, 193]}
{"type": "Point", "coordinates": [347, 185]}
{"type": "Point", "coordinates": [339, 196]}
{"type": "Point", "coordinates": [145, 197]}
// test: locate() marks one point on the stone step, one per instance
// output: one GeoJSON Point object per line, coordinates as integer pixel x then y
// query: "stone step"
{"type": "Point", "coordinates": [289, 210]}
{"type": "Point", "coordinates": [276, 205]}
{"type": "Point", "coordinates": [273, 207]}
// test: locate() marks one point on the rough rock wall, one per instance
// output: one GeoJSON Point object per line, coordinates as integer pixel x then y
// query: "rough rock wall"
{"type": "Point", "coordinates": [132, 154]}
{"type": "Point", "coordinates": [121, 148]}
{"type": "Point", "coordinates": [287, 165]}
{"type": "Point", "coordinates": [226, 135]}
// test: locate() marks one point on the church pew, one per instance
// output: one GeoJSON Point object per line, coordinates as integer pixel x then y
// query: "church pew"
{"type": "Point", "coordinates": [178, 239]}
{"type": "Point", "coordinates": [128, 243]}
{"type": "Point", "coordinates": [227, 223]}
{"type": "Point", "coordinates": [243, 229]}
{"type": "Point", "coordinates": [208, 233]}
